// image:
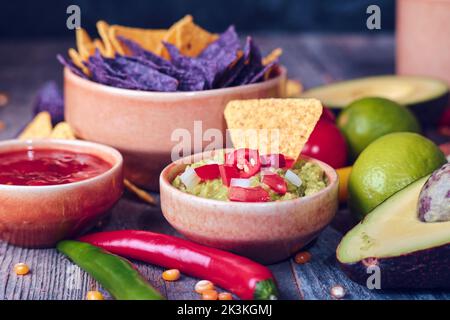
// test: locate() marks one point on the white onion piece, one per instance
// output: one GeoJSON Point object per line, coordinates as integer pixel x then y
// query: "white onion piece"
{"type": "Point", "coordinates": [243, 183]}
{"type": "Point", "coordinates": [293, 178]}
{"type": "Point", "coordinates": [189, 178]}
{"type": "Point", "coordinates": [268, 170]}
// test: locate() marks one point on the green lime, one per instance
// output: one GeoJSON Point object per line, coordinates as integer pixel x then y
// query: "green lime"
{"type": "Point", "coordinates": [367, 119]}
{"type": "Point", "coordinates": [388, 165]}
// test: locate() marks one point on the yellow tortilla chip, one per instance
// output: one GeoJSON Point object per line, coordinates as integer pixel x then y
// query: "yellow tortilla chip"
{"type": "Point", "coordinates": [106, 48]}
{"type": "Point", "coordinates": [62, 131]}
{"type": "Point", "coordinates": [272, 125]}
{"type": "Point", "coordinates": [293, 88]}
{"type": "Point", "coordinates": [40, 127]}
{"type": "Point", "coordinates": [78, 61]}
{"type": "Point", "coordinates": [192, 39]}
{"type": "Point", "coordinates": [274, 55]}
{"type": "Point", "coordinates": [98, 44]}
{"type": "Point", "coordinates": [141, 194]}
{"type": "Point", "coordinates": [146, 38]}
{"type": "Point", "coordinates": [85, 45]}
{"type": "Point", "coordinates": [188, 37]}
{"type": "Point", "coordinates": [171, 35]}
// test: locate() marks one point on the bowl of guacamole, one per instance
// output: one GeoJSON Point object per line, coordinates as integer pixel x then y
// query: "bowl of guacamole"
{"type": "Point", "coordinates": [265, 207]}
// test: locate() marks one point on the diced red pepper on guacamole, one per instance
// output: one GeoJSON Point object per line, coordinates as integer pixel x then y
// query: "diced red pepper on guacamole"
{"type": "Point", "coordinates": [246, 176]}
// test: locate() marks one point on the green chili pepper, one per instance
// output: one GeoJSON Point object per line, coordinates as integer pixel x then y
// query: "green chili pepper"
{"type": "Point", "coordinates": [117, 275]}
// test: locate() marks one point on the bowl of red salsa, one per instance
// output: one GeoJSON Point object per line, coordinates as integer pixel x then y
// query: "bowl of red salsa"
{"type": "Point", "coordinates": [53, 189]}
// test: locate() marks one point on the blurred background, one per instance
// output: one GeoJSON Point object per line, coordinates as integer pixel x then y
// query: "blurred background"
{"type": "Point", "coordinates": [47, 19]}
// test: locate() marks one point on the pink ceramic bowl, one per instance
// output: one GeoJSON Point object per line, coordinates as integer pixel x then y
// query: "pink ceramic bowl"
{"type": "Point", "coordinates": [40, 216]}
{"type": "Point", "coordinates": [266, 232]}
{"type": "Point", "coordinates": [140, 124]}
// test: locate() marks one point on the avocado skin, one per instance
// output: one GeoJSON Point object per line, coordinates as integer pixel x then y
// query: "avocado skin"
{"type": "Point", "coordinates": [424, 269]}
{"type": "Point", "coordinates": [427, 112]}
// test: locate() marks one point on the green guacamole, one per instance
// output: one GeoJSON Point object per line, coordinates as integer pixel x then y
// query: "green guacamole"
{"type": "Point", "coordinates": [312, 176]}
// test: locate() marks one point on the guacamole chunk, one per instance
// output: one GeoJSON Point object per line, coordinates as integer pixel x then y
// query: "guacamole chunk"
{"type": "Point", "coordinates": [212, 186]}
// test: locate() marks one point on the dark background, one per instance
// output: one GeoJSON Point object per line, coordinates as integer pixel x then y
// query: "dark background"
{"type": "Point", "coordinates": [47, 18]}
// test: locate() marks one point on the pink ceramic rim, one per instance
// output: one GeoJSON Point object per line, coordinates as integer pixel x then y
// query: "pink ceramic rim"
{"type": "Point", "coordinates": [59, 144]}
{"type": "Point", "coordinates": [329, 171]}
{"type": "Point", "coordinates": [173, 95]}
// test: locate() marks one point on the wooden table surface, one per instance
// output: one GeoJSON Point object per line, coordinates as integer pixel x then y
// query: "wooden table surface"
{"type": "Point", "coordinates": [314, 59]}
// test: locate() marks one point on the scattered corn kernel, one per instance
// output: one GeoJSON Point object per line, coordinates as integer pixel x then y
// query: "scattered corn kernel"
{"type": "Point", "coordinates": [225, 296]}
{"type": "Point", "coordinates": [338, 292]}
{"type": "Point", "coordinates": [209, 295]}
{"type": "Point", "coordinates": [203, 285]}
{"type": "Point", "coordinates": [94, 295]}
{"type": "Point", "coordinates": [302, 257]}
{"type": "Point", "coordinates": [21, 269]}
{"type": "Point", "coordinates": [171, 275]}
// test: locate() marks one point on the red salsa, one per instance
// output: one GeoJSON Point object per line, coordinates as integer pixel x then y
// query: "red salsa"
{"type": "Point", "coordinates": [43, 167]}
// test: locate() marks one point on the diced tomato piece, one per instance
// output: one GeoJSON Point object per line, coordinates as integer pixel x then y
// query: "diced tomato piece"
{"type": "Point", "coordinates": [208, 172]}
{"type": "Point", "coordinates": [289, 162]}
{"type": "Point", "coordinates": [246, 160]}
{"type": "Point", "coordinates": [275, 160]}
{"type": "Point", "coordinates": [240, 194]}
{"type": "Point", "coordinates": [227, 173]}
{"type": "Point", "coordinates": [275, 182]}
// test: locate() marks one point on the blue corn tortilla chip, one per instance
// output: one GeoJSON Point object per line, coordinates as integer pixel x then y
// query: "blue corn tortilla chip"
{"type": "Point", "coordinates": [49, 98]}
{"type": "Point", "coordinates": [232, 72]}
{"type": "Point", "coordinates": [260, 75]}
{"type": "Point", "coordinates": [252, 64]}
{"type": "Point", "coordinates": [228, 41]}
{"type": "Point", "coordinates": [71, 66]}
{"type": "Point", "coordinates": [137, 51]}
{"type": "Point", "coordinates": [199, 74]}
{"type": "Point", "coordinates": [145, 75]}
{"type": "Point", "coordinates": [130, 73]}
{"type": "Point", "coordinates": [222, 53]}
{"type": "Point", "coordinates": [187, 82]}
{"type": "Point", "coordinates": [223, 63]}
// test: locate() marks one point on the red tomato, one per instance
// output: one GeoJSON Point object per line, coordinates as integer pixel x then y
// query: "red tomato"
{"type": "Point", "coordinates": [276, 160]}
{"type": "Point", "coordinates": [289, 162]}
{"type": "Point", "coordinates": [246, 160]}
{"type": "Point", "coordinates": [328, 115]}
{"type": "Point", "coordinates": [327, 144]}
{"type": "Point", "coordinates": [208, 172]}
{"type": "Point", "coordinates": [445, 147]}
{"type": "Point", "coordinates": [227, 173]}
{"type": "Point", "coordinates": [445, 118]}
{"type": "Point", "coordinates": [275, 182]}
{"type": "Point", "coordinates": [256, 194]}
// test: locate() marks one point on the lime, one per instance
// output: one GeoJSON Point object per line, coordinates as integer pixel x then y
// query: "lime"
{"type": "Point", "coordinates": [367, 119]}
{"type": "Point", "coordinates": [389, 164]}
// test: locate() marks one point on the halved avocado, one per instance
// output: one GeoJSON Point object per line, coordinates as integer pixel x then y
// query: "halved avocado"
{"type": "Point", "coordinates": [410, 253]}
{"type": "Point", "coordinates": [426, 97]}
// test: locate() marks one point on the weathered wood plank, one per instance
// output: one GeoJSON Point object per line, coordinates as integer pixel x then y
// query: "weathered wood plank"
{"type": "Point", "coordinates": [315, 59]}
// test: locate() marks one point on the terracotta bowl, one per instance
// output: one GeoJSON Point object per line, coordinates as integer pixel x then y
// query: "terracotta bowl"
{"type": "Point", "coordinates": [40, 216]}
{"type": "Point", "coordinates": [140, 124]}
{"type": "Point", "coordinates": [266, 232]}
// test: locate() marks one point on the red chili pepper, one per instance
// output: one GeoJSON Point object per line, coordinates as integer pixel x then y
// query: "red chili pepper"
{"type": "Point", "coordinates": [243, 277]}
{"type": "Point", "coordinates": [255, 194]}
{"type": "Point", "coordinates": [275, 182]}
{"type": "Point", "coordinates": [275, 160]}
{"type": "Point", "coordinates": [208, 172]}
{"type": "Point", "coordinates": [246, 160]}
{"type": "Point", "coordinates": [227, 173]}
